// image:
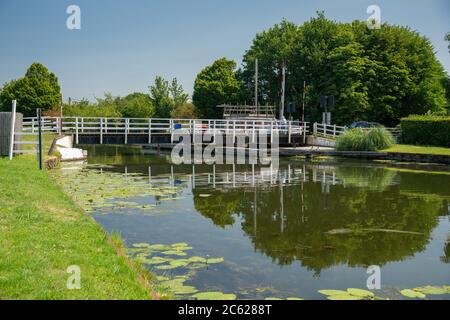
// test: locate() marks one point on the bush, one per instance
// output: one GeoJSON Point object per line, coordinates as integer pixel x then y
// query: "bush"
{"type": "Point", "coordinates": [365, 140]}
{"type": "Point", "coordinates": [429, 130]}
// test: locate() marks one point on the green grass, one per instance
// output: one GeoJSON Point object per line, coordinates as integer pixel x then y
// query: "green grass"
{"type": "Point", "coordinates": [42, 233]}
{"type": "Point", "coordinates": [418, 149]}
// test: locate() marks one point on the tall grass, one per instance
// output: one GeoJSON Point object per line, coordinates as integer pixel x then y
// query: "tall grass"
{"type": "Point", "coordinates": [365, 140]}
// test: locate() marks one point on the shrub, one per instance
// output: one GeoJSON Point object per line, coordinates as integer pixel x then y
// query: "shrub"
{"type": "Point", "coordinates": [365, 140]}
{"type": "Point", "coordinates": [429, 130]}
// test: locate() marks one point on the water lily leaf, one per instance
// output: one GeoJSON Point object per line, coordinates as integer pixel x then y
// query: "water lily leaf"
{"type": "Point", "coordinates": [156, 260]}
{"type": "Point", "coordinates": [412, 294]}
{"type": "Point", "coordinates": [197, 259]}
{"type": "Point", "coordinates": [166, 267]}
{"type": "Point", "coordinates": [197, 265]}
{"type": "Point", "coordinates": [344, 297]}
{"type": "Point", "coordinates": [205, 195]}
{"type": "Point", "coordinates": [174, 253]}
{"type": "Point", "coordinates": [184, 290]}
{"type": "Point", "coordinates": [179, 263]}
{"type": "Point", "coordinates": [431, 290]}
{"type": "Point", "coordinates": [180, 244]}
{"type": "Point", "coordinates": [273, 298]}
{"type": "Point", "coordinates": [333, 292]}
{"type": "Point", "coordinates": [214, 296]}
{"type": "Point", "coordinates": [162, 278]}
{"type": "Point", "coordinates": [214, 260]}
{"type": "Point", "coordinates": [158, 247]}
{"type": "Point", "coordinates": [360, 293]}
{"type": "Point", "coordinates": [141, 245]}
{"type": "Point", "coordinates": [294, 298]}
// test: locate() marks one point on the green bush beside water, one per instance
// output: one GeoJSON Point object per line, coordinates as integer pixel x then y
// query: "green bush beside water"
{"type": "Point", "coordinates": [427, 130]}
{"type": "Point", "coordinates": [365, 140]}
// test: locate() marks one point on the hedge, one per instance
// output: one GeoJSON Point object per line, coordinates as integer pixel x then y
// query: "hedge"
{"type": "Point", "coordinates": [426, 130]}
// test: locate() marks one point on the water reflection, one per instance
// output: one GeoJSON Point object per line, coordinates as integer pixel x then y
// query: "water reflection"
{"type": "Point", "coordinates": [321, 214]}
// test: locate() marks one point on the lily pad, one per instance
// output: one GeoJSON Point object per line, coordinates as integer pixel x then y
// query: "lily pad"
{"type": "Point", "coordinates": [431, 290]}
{"type": "Point", "coordinates": [174, 253]}
{"type": "Point", "coordinates": [294, 298]}
{"type": "Point", "coordinates": [214, 260]}
{"type": "Point", "coordinates": [344, 297]}
{"type": "Point", "coordinates": [360, 293]}
{"type": "Point", "coordinates": [197, 259]}
{"type": "Point", "coordinates": [166, 267]}
{"type": "Point", "coordinates": [214, 296]}
{"type": "Point", "coordinates": [273, 298]}
{"type": "Point", "coordinates": [333, 292]}
{"type": "Point", "coordinates": [412, 294]}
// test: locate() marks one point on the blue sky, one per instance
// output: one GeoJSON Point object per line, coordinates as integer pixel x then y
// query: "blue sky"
{"type": "Point", "coordinates": [123, 45]}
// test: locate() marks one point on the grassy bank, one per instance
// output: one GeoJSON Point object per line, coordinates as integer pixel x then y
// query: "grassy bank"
{"type": "Point", "coordinates": [418, 149]}
{"type": "Point", "coordinates": [42, 233]}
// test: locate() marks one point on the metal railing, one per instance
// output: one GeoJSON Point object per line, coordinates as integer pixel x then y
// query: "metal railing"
{"type": "Point", "coordinates": [326, 130]}
{"type": "Point", "coordinates": [127, 126]}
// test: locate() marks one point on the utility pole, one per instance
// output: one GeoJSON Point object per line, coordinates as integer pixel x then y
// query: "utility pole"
{"type": "Point", "coordinates": [256, 87]}
{"type": "Point", "coordinates": [283, 86]}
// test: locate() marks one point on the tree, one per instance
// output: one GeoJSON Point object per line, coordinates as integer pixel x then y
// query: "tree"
{"type": "Point", "coordinates": [166, 97]}
{"type": "Point", "coordinates": [185, 111]}
{"type": "Point", "coordinates": [376, 75]}
{"type": "Point", "coordinates": [136, 105]}
{"type": "Point", "coordinates": [39, 88]}
{"type": "Point", "coordinates": [215, 85]}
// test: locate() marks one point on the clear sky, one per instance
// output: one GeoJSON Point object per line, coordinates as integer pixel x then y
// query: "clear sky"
{"type": "Point", "coordinates": [123, 45]}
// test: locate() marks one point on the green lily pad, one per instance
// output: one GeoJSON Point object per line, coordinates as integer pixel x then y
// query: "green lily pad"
{"type": "Point", "coordinates": [333, 292]}
{"type": "Point", "coordinates": [344, 297]}
{"type": "Point", "coordinates": [166, 267]}
{"type": "Point", "coordinates": [179, 263]}
{"type": "Point", "coordinates": [184, 290]}
{"type": "Point", "coordinates": [431, 290]}
{"type": "Point", "coordinates": [141, 245]}
{"type": "Point", "coordinates": [180, 244]}
{"type": "Point", "coordinates": [214, 296]}
{"type": "Point", "coordinates": [162, 278]}
{"type": "Point", "coordinates": [214, 260]}
{"type": "Point", "coordinates": [412, 294]}
{"type": "Point", "coordinates": [273, 298]}
{"type": "Point", "coordinates": [360, 293]}
{"type": "Point", "coordinates": [197, 259]}
{"type": "Point", "coordinates": [158, 247]}
{"type": "Point", "coordinates": [174, 253]}
{"type": "Point", "coordinates": [294, 298]}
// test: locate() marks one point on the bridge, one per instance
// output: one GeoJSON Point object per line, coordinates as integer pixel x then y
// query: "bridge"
{"type": "Point", "coordinates": [166, 131]}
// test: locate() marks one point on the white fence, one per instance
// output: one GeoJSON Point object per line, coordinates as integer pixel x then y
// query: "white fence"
{"type": "Point", "coordinates": [127, 126]}
{"type": "Point", "coordinates": [333, 131]}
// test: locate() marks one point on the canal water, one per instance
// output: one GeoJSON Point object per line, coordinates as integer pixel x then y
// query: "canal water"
{"type": "Point", "coordinates": [259, 233]}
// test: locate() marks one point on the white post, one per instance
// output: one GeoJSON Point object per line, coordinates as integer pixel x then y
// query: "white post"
{"type": "Point", "coordinates": [334, 131]}
{"type": "Point", "coordinates": [32, 125]}
{"type": "Point", "coordinates": [234, 131]}
{"type": "Point", "coordinates": [271, 131]}
{"type": "Point", "coordinates": [101, 130]}
{"type": "Point", "coordinates": [76, 130]}
{"type": "Point", "coordinates": [126, 130]}
{"type": "Point", "coordinates": [149, 131]}
{"type": "Point", "coordinates": [13, 128]}
{"type": "Point", "coordinates": [171, 130]}
{"type": "Point", "coordinates": [325, 129]}
{"type": "Point", "coordinates": [254, 135]}
{"type": "Point", "coordinates": [289, 132]}
{"type": "Point", "coordinates": [82, 125]}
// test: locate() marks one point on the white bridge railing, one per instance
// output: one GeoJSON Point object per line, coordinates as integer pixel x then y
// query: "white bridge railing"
{"type": "Point", "coordinates": [127, 126]}
{"type": "Point", "coordinates": [333, 131]}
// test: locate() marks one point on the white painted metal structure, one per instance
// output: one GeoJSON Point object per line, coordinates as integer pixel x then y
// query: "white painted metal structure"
{"type": "Point", "coordinates": [127, 126]}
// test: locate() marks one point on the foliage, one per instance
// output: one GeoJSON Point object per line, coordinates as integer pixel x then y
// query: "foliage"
{"type": "Point", "coordinates": [103, 108]}
{"type": "Point", "coordinates": [375, 75]}
{"type": "Point", "coordinates": [426, 130]}
{"type": "Point", "coordinates": [39, 88]}
{"type": "Point", "coordinates": [215, 85]}
{"type": "Point", "coordinates": [136, 105]}
{"type": "Point", "coordinates": [365, 140]}
{"type": "Point", "coordinates": [166, 97]}
{"type": "Point", "coordinates": [185, 111]}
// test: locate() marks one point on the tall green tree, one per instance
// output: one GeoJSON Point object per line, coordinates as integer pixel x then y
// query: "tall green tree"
{"type": "Point", "coordinates": [375, 75]}
{"type": "Point", "coordinates": [166, 97]}
{"type": "Point", "coordinates": [39, 88]}
{"type": "Point", "coordinates": [215, 85]}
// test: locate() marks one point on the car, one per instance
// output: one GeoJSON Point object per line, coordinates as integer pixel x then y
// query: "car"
{"type": "Point", "coordinates": [365, 125]}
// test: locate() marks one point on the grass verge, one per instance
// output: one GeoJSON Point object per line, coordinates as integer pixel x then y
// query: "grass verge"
{"type": "Point", "coordinates": [42, 233]}
{"type": "Point", "coordinates": [404, 148]}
